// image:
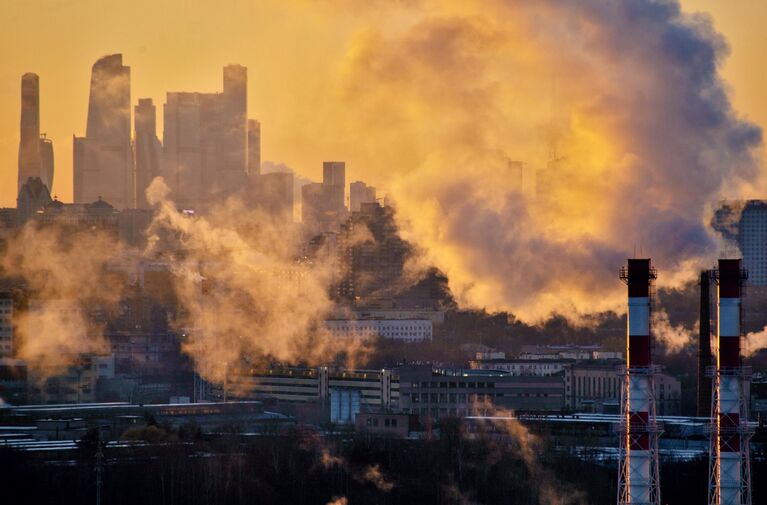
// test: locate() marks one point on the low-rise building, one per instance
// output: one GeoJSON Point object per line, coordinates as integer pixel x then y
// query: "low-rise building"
{"type": "Point", "coordinates": [349, 391]}
{"type": "Point", "coordinates": [390, 424]}
{"type": "Point", "coordinates": [596, 386]}
{"type": "Point", "coordinates": [518, 367]}
{"type": "Point", "coordinates": [77, 383]}
{"type": "Point", "coordinates": [406, 330]}
{"type": "Point", "coordinates": [433, 393]}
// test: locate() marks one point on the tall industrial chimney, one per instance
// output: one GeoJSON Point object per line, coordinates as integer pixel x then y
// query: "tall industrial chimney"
{"type": "Point", "coordinates": [638, 476]}
{"type": "Point", "coordinates": [704, 345]}
{"type": "Point", "coordinates": [729, 459]}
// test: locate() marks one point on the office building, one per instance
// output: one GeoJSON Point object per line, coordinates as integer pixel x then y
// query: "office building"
{"type": "Point", "coordinates": [72, 217]}
{"type": "Point", "coordinates": [6, 324]}
{"type": "Point", "coordinates": [254, 148]}
{"type": "Point", "coordinates": [30, 162]}
{"type": "Point", "coordinates": [372, 267]}
{"type": "Point", "coordinates": [404, 330]}
{"type": "Point", "coordinates": [147, 147]}
{"type": "Point", "coordinates": [323, 206]}
{"type": "Point", "coordinates": [103, 159]}
{"type": "Point", "coordinates": [33, 196]}
{"type": "Point", "coordinates": [434, 393]}
{"type": "Point", "coordinates": [745, 224]}
{"type": "Point", "coordinates": [334, 178]}
{"type": "Point", "coordinates": [46, 161]}
{"type": "Point", "coordinates": [78, 383]}
{"type": "Point", "coordinates": [360, 193]}
{"type": "Point", "coordinates": [274, 194]}
{"type": "Point", "coordinates": [323, 389]}
{"type": "Point", "coordinates": [205, 142]}
{"type": "Point", "coordinates": [595, 386]}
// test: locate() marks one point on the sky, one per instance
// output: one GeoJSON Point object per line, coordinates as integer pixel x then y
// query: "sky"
{"type": "Point", "coordinates": [606, 103]}
{"type": "Point", "coordinates": [292, 51]}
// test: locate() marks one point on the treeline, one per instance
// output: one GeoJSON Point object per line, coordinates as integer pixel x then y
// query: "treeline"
{"type": "Point", "coordinates": [304, 468]}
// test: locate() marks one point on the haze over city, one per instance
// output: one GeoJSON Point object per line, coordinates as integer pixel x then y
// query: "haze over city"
{"type": "Point", "coordinates": [341, 224]}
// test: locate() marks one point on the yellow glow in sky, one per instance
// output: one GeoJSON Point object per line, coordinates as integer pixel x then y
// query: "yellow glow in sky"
{"type": "Point", "coordinates": [292, 50]}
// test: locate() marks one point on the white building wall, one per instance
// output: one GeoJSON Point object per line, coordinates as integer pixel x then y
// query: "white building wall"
{"type": "Point", "coordinates": [408, 330]}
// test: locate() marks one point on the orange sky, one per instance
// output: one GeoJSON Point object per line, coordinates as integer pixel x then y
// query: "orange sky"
{"type": "Point", "coordinates": [292, 52]}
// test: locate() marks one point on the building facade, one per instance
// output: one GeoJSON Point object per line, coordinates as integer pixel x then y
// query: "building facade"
{"type": "Point", "coordinates": [205, 142]}
{"type": "Point", "coordinates": [103, 159]}
{"type": "Point", "coordinates": [433, 393]}
{"type": "Point", "coordinates": [30, 161]}
{"type": "Point", "coordinates": [406, 330]}
{"type": "Point", "coordinates": [148, 149]}
{"type": "Point", "coordinates": [6, 325]}
{"type": "Point", "coordinates": [596, 386]}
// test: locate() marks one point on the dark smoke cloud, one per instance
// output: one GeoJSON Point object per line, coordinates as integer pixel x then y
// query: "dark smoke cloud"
{"type": "Point", "coordinates": [617, 108]}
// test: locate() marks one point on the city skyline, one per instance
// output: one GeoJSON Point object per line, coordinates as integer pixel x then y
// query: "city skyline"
{"type": "Point", "coordinates": [419, 138]}
{"type": "Point", "coordinates": [65, 74]}
{"type": "Point", "coordinates": [356, 251]}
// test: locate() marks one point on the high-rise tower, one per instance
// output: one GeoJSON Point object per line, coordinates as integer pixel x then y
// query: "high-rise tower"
{"type": "Point", "coordinates": [205, 142]}
{"type": "Point", "coordinates": [30, 163]}
{"type": "Point", "coordinates": [46, 161]}
{"type": "Point", "coordinates": [638, 475]}
{"type": "Point", "coordinates": [334, 179]}
{"type": "Point", "coordinates": [729, 458]}
{"type": "Point", "coordinates": [103, 159]}
{"type": "Point", "coordinates": [233, 165]}
{"type": "Point", "coordinates": [148, 150]}
{"type": "Point", "coordinates": [254, 148]}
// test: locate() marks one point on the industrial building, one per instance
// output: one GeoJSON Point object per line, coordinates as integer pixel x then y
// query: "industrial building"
{"type": "Point", "coordinates": [434, 393]}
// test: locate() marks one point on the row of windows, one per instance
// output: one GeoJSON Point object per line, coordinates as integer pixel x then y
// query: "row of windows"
{"type": "Point", "coordinates": [453, 384]}
{"type": "Point", "coordinates": [387, 422]}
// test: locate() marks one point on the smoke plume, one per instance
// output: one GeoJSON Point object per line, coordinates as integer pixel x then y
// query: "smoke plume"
{"type": "Point", "coordinates": [754, 342]}
{"type": "Point", "coordinates": [66, 275]}
{"type": "Point", "coordinates": [617, 110]}
{"type": "Point", "coordinates": [527, 445]}
{"type": "Point", "coordinates": [243, 289]}
{"type": "Point", "coordinates": [673, 338]}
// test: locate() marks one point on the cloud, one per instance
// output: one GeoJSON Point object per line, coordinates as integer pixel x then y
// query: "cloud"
{"type": "Point", "coordinates": [616, 108]}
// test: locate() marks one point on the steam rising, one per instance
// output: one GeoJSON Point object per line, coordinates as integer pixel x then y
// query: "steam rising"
{"type": "Point", "coordinates": [241, 285]}
{"type": "Point", "coordinates": [616, 108]}
{"type": "Point", "coordinates": [66, 275]}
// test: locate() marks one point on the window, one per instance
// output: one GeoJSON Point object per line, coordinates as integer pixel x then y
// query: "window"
{"type": "Point", "coordinates": [394, 423]}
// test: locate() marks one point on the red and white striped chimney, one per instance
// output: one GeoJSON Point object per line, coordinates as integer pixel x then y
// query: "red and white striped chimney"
{"type": "Point", "coordinates": [730, 473]}
{"type": "Point", "coordinates": [638, 473]}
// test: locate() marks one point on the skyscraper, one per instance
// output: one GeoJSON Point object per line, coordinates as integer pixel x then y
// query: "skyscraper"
{"type": "Point", "coordinates": [205, 142]}
{"type": "Point", "coordinates": [743, 223]}
{"type": "Point", "coordinates": [182, 148]}
{"type": "Point", "coordinates": [233, 165]}
{"type": "Point", "coordinates": [334, 177]}
{"type": "Point", "coordinates": [46, 161]}
{"type": "Point", "coordinates": [147, 149]}
{"type": "Point", "coordinates": [103, 162]}
{"type": "Point", "coordinates": [254, 148]}
{"type": "Point", "coordinates": [30, 164]}
{"type": "Point", "coordinates": [360, 193]}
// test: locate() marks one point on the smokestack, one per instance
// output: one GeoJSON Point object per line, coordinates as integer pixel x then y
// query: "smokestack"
{"type": "Point", "coordinates": [704, 345]}
{"type": "Point", "coordinates": [729, 459]}
{"type": "Point", "coordinates": [638, 478]}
